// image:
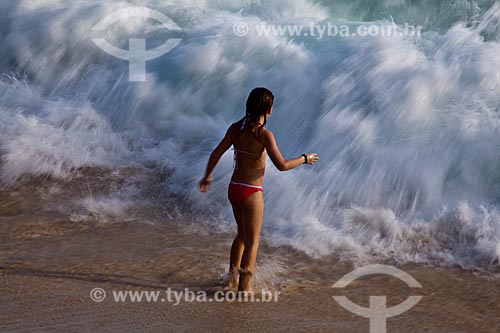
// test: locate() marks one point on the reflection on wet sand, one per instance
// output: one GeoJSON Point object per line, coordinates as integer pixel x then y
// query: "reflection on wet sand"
{"type": "Point", "coordinates": [49, 263]}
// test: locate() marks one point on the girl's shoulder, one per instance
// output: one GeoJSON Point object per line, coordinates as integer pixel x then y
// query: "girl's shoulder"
{"type": "Point", "coordinates": [234, 127]}
{"type": "Point", "coordinates": [266, 131]}
{"type": "Point", "coordinates": [267, 135]}
{"type": "Point", "coordinates": [236, 124]}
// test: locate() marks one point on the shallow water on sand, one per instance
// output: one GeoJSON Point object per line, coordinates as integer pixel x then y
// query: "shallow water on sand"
{"type": "Point", "coordinates": [54, 250]}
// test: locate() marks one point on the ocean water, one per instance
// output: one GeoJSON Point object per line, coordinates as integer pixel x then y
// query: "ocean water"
{"type": "Point", "coordinates": [407, 128]}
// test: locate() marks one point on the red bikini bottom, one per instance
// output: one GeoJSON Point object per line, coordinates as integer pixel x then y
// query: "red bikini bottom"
{"type": "Point", "coordinates": [237, 192]}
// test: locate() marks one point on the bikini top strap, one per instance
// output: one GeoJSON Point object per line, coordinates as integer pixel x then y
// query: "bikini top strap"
{"type": "Point", "coordinates": [246, 152]}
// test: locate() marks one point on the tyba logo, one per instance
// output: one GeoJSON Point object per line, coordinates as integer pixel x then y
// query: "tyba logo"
{"type": "Point", "coordinates": [137, 55]}
{"type": "Point", "coordinates": [378, 311]}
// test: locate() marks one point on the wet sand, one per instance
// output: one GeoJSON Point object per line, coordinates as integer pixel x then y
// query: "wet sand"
{"type": "Point", "coordinates": [49, 263]}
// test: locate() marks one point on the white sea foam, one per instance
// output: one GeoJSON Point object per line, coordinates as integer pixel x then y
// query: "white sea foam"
{"type": "Point", "coordinates": [407, 130]}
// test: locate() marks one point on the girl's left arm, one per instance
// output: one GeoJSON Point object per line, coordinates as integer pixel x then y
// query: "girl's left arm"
{"type": "Point", "coordinates": [216, 154]}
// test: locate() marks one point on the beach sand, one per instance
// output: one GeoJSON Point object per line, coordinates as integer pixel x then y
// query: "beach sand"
{"type": "Point", "coordinates": [50, 261]}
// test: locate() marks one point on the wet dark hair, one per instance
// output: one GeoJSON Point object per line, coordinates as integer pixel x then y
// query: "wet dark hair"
{"type": "Point", "coordinates": [259, 101]}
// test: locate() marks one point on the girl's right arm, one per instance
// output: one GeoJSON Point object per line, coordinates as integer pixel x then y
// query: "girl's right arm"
{"type": "Point", "coordinates": [216, 154]}
{"type": "Point", "coordinates": [277, 158]}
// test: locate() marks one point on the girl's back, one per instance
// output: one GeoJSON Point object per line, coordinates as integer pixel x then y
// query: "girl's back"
{"type": "Point", "coordinates": [249, 153]}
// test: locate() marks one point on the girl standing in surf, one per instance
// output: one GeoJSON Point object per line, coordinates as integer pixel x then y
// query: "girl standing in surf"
{"type": "Point", "coordinates": [250, 140]}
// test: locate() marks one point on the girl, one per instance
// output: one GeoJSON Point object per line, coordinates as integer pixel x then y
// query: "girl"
{"type": "Point", "coordinates": [250, 141]}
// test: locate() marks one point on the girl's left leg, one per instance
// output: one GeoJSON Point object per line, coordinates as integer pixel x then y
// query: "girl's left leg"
{"type": "Point", "coordinates": [236, 249]}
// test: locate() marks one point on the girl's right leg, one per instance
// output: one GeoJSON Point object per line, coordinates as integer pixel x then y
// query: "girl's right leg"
{"type": "Point", "coordinates": [252, 209]}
